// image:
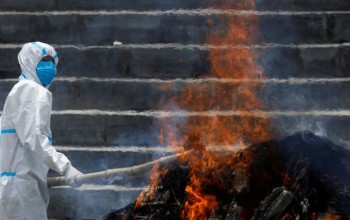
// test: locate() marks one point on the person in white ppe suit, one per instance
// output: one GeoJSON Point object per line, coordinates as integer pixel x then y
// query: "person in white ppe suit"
{"type": "Point", "coordinates": [26, 151]}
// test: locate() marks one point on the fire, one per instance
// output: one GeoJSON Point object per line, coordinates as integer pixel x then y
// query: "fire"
{"type": "Point", "coordinates": [331, 216]}
{"type": "Point", "coordinates": [229, 61]}
{"type": "Point", "coordinates": [199, 205]}
{"type": "Point", "coordinates": [154, 180]}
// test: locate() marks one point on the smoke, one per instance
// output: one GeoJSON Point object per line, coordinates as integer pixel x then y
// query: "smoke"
{"type": "Point", "coordinates": [304, 73]}
{"type": "Point", "coordinates": [90, 201]}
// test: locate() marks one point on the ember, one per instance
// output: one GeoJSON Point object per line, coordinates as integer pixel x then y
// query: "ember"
{"type": "Point", "coordinates": [318, 184]}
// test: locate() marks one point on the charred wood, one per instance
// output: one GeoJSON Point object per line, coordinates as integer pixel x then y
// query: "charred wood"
{"type": "Point", "coordinates": [300, 177]}
{"type": "Point", "coordinates": [274, 205]}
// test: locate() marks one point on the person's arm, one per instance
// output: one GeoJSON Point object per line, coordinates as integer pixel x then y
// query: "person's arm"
{"type": "Point", "coordinates": [32, 126]}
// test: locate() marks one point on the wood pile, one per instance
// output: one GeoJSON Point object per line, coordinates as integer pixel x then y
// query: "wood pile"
{"type": "Point", "coordinates": [300, 177]}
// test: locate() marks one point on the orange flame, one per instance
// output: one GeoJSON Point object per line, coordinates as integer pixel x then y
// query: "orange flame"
{"type": "Point", "coordinates": [198, 132]}
{"type": "Point", "coordinates": [199, 205]}
{"type": "Point", "coordinates": [331, 216]}
{"type": "Point", "coordinates": [239, 63]}
{"type": "Point", "coordinates": [154, 181]}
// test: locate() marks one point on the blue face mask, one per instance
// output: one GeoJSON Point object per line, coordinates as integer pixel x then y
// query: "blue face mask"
{"type": "Point", "coordinates": [46, 71]}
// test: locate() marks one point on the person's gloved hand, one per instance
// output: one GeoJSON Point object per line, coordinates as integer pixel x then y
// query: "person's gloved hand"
{"type": "Point", "coordinates": [70, 175]}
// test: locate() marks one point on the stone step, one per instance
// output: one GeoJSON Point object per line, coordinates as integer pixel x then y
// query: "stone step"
{"type": "Point", "coordinates": [334, 126]}
{"type": "Point", "coordinates": [169, 61]}
{"type": "Point", "coordinates": [36, 5]}
{"type": "Point", "coordinates": [145, 61]}
{"type": "Point", "coordinates": [143, 96]}
{"type": "Point", "coordinates": [104, 29]}
{"type": "Point", "coordinates": [143, 129]}
{"type": "Point", "coordinates": [90, 201]}
{"type": "Point", "coordinates": [188, 27]}
{"type": "Point", "coordinates": [100, 129]}
{"type": "Point", "coordinates": [146, 95]}
{"type": "Point", "coordinates": [301, 5]}
{"type": "Point", "coordinates": [325, 95]}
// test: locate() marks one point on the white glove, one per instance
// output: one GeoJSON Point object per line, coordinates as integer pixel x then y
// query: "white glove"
{"type": "Point", "coordinates": [70, 175]}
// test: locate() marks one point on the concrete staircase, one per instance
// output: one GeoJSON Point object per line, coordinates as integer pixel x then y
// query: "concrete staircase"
{"type": "Point", "coordinates": [105, 112]}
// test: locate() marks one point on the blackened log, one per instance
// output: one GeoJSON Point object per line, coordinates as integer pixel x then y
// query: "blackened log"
{"type": "Point", "coordinates": [234, 211]}
{"type": "Point", "coordinates": [274, 204]}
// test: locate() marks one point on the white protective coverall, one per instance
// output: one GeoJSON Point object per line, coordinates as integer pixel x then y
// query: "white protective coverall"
{"type": "Point", "coordinates": [26, 151]}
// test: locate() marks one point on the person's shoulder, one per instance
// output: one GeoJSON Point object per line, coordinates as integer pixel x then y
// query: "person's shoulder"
{"type": "Point", "coordinates": [29, 87]}
{"type": "Point", "coordinates": [26, 84]}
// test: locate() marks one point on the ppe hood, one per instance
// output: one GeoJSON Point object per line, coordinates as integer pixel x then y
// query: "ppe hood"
{"type": "Point", "coordinates": [30, 55]}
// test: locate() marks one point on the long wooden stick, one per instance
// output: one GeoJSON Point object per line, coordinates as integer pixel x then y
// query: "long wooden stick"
{"type": "Point", "coordinates": [103, 176]}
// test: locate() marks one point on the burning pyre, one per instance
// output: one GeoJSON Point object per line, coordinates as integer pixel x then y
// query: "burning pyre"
{"type": "Point", "coordinates": [300, 177]}
{"type": "Point", "coordinates": [286, 179]}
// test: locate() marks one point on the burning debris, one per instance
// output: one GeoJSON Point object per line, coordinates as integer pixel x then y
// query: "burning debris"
{"type": "Point", "coordinates": [300, 177]}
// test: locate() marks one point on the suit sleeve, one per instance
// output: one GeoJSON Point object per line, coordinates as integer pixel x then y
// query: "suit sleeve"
{"type": "Point", "coordinates": [32, 126]}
